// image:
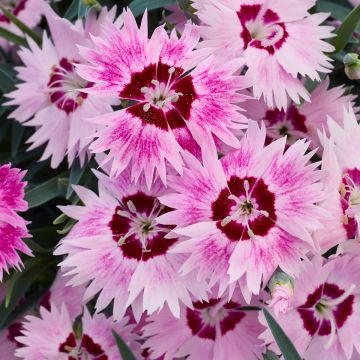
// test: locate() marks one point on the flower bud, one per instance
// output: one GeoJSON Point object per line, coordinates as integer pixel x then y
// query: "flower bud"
{"type": "Point", "coordinates": [352, 66]}
{"type": "Point", "coordinates": [281, 288]}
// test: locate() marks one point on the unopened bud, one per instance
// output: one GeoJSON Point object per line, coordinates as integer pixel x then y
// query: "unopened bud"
{"type": "Point", "coordinates": [281, 288]}
{"type": "Point", "coordinates": [352, 66]}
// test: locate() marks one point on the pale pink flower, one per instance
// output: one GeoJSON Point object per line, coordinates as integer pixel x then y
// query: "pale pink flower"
{"type": "Point", "coordinates": [278, 39]}
{"type": "Point", "coordinates": [213, 330]}
{"type": "Point", "coordinates": [27, 11]}
{"type": "Point", "coordinates": [49, 98]}
{"type": "Point", "coordinates": [305, 120]}
{"type": "Point", "coordinates": [51, 336]}
{"type": "Point", "coordinates": [172, 107]}
{"type": "Point", "coordinates": [324, 322]}
{"type": "Point", "coordinates": [12, 226]}
{"type": "Point", "coordinates": [60, 292]}
{"type": "Point", "coordinates": [355, 2]}
{"type": "Point", "coordinates": [120, 248]}
{"type": "Point", "coordinates": [8, 344]}
{"type": "Point", "coordinates": [247, 214]}
{"type": "Point", "coordinates": [176, 17]}
{"type": "Point", "coordinates": [341, 163]}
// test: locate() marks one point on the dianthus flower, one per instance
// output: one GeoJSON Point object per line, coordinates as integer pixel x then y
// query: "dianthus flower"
{"type": "Point", "coordinates": [12, 226]}
{"type": "Point", "coordinates": [247, 214]}
{"type": "Point", "coordinates": [324, 320]}
{"type": "Point", "coordinates": [118, 246]}
{"type": "Point", "coordinates": [213, 330]}
{"type": "Point", "coordinates": [50, 97]}
{"type": "Point", "coordinates": [176, 96]}
{"type": "Point", "coordinates": [51, 336]}
{"type": "Point", "coordinates": [279, 41]}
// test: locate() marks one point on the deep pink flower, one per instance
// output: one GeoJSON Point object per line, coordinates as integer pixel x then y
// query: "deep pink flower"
{"type": "Point", "coordinates": [341, 162]}
{"type": "Point", "coordinates": [12, 226]}
{"type": "Point", "coordinates": [247, 214]}
{"type": "Point", "coordinates": [49, 98]}
{"type": "Point", "coordinates": [305, 120]}
{"type": "Point", "coordinates": [324, 322]}
{"type": "Point", "coordinates": [171, 107]}
{"type": "Point", "coordinates": [212, 330]}
{"type": "Point", "coordinates": [51, 336]}
{"type": "Point", "coordinates": [120, 248]}
{"type": "Point", "coordinates": [278, 39]}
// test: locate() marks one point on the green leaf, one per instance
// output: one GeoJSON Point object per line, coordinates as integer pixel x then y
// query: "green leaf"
{"type": "Point", "coordinates": [17, 133]}
{"type": "Point", "coordinates": [124, 350]}
{"type": "Point", "coordinates": [23, 27]}
{"type": "Point", "coordinates": [346, 29]}
{"type": "Point", "coordinates": [13, 38]}
{"type": "Point", "coordinates": [138, 6]}
{"type": "Point", "coordinates": [7, 78]}
{"type": "Point", "coordinates": [270, 355]}
{"type": "Point", "coordinates": [287, 348]}
{"type": "Point", "coordinates": [337, 11]}
{"type": "Point", "coordinates": [75, 175]}
{"type": "Point", "coordinates": [77, 9]}
{"type": "Point", "coordinates": [20, 282]}
{"type": "Point", "coordinates": [46, 191]}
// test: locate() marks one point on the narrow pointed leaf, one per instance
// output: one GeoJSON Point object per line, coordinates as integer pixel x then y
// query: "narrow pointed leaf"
{"type": "Point", "coordinates": [17, 133]}
{"type": "Point", "coordinates": [287, 348]}
{"type": "Point", "coordinates": [125, 352]}
{"type": "Point", "coordinates": [346, 29]}
{"type": "Point", "coordinates": [139, 6]}
{"type": "Point", "coordinates": [13, 38]}
{"type": "Point", "coordinates": [46, 191]}
{"type": "Point", "coordinates": [75, 175]}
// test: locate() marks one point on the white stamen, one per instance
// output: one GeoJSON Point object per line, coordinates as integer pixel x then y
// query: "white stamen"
{"type": "Point", "coordinates": [146, 107]}
{"type": "Point", "coordinates": [131, 207]}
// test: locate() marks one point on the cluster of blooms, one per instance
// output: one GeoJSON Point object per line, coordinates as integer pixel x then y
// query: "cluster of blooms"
{"type": "Point", "coordinates": [209, 199]}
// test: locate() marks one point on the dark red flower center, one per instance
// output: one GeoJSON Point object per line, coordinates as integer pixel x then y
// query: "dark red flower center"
{"type": "Point", "coordinates": [203, 319]}
{"type": "Point", "coordinates": [135, 229]}
{"type": "Point", "coordinates": [290, 123]}
{"type": "Point", "coordinates": [350, 202]}
{"type": "Point", "coordinates": [15, 7]}
{"type": "Point", "coordinates": [163, 96]}
{"type": "Point", "coordinates": [245, 209]}
{"type": "Point", "coordinates": [326, 310]}
{"type": "Point", "coordinates": [14, 330]}
{"type": "Point", "coordinates": [88, 349]}
{"type": "Point", "coordinates": [64, 85]}
{"type": "Point", "coordinates": [261, 28]}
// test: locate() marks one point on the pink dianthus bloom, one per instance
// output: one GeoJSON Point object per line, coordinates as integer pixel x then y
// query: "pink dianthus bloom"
{"type": "Point", "coordinates": [212, 330]}
{"type": "Point", "coordinates": [51, 336]}
{"type": "Point", "coordinates": [278, 39]}
{"type": "Point", "coordinates": [50, 97]}
{"type": "Point", "coordinates": [247, 214]}
{"type": "Point", "coordinates": [305, 120]}
{"type": "Point", "coordinates": [324, 322]}
{"type": "Point", "coordinates": [341, 162]}
{"type": "Point", "coordinates": [176, 96]}
{"type": "Point", "coordinates": [12, 226]}
{"type": "Point", "coordinates": [118, 246]}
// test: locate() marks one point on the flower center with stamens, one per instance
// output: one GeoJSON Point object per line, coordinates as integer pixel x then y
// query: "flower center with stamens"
{"type": "Point", "coordinates": [163, 97]}
{"type": "Point", "coordinates": [205, 317]}
{"type": "Point", "coordinates": [160, 94]}
{"type": "Point", "coordinates": [262, 28]}
{"type": "Point", "coordinates": [135, 229]}
{"type": "Point", "coordinates": [64, 85]}
{"type": "Point", "coordinates": [245, 209]}
{"type": "Point", "coordinates": [350, 201]}
{"type": "Point", "coordinates": [84, 349]}
{"type": "Point", "coordinates": [326, 310]}
{"type": "Point", "coordinates": [290, 123]}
